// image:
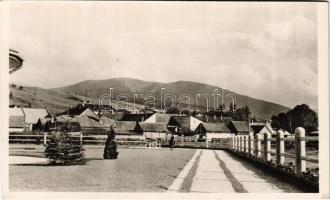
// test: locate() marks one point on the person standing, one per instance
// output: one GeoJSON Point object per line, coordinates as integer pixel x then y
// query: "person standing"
{"type": "Point", "coordinates": [172, 142]}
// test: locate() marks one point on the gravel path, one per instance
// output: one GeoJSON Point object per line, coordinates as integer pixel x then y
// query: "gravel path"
{"type": "Point", "coordinates": [219, 172]}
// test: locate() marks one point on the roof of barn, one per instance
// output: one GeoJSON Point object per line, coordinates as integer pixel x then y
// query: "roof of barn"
{"type": "Point", "coordinates": [216, 127]}
{"type": "Point", "coordinates": [34, 114]}
{"type": "Point", "coordinates": [154, 127]}
{"type": "Point", "coordinates": [241, 126]}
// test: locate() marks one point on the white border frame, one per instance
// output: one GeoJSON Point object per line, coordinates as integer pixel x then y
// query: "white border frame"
{"type": "Point", "coordinates": [323, 107]}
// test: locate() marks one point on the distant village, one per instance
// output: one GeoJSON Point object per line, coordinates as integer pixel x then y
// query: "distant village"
{"type": "Point", "coordinates": [90, 119]}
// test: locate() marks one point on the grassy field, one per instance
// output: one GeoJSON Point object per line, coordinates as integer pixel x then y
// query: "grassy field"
{"type": "Point", "coordinates": [135, 170]}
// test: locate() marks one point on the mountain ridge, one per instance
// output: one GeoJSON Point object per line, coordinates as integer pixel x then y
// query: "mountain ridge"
{"type": "Point", "coordinates": [260, 108]}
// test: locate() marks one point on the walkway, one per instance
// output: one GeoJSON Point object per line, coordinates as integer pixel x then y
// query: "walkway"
{"type": "Point", "coordinates": [217, 172]}
{"type": "Point", "coordinates": [26, 160]}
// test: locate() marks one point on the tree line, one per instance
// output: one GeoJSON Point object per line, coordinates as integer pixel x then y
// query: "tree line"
{"type": "Point", "coordinates": [299, 116]}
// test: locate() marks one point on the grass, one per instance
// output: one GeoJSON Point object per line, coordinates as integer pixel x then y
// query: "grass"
{"type": "Point", "coordinates": [135, 170]}
{"type": "Point", "coordinates": [55, 101]}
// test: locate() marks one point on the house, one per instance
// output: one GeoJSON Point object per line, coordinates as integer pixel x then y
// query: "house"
{"type": "Point", "coordinates": [183, 125]}
{"type": "Point", "coordinates": [32, 115]}
{"type": "Point", "coordinates": [257, 126]}
{"type": "Point", "coordinates": [16, 111]}
{"type": "Point", "coordinates": [134, 117]}
{"type": "Point", "coordinates": [265, 129]}
{"type": "Point", "coordinates": [209, 118]}
{"type": "Point", "coordinates": [212, 119]}
{"type": "Point", "coordinates": [154, 131]}
{"type": "Point", "coordinates": [160, 118]}
{"type": "Point", "coordinates": [176, 124]}
{"type": "Point", "coordinates": [128, 130]}
{"type": "Point", "coordinates": [16, 124]}
{"type": "Point", "coordinates": [194, 122]}
{"type": "Point", "coordinates": [106, 122]}
{"type": "Point", "coordinates": [80, 109]}
{"type": "Point", "coordinates": [239, 127]}
{"type": "Point", "coordinates": [179, 125]}
{"type": "Point", "coordinates": [212, 131]}
{"type": "Point", "coordinates": [226, 120]}
{"type": "Point", "coordinates": [89, 125]}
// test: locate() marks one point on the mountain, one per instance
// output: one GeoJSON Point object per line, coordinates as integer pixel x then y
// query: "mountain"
{"type": "Point", "coordinates": [36, 97]}
{"type": "Point", "coordinates": [126, 86]}
{"type": "Point", "coordinates": [56, 102]}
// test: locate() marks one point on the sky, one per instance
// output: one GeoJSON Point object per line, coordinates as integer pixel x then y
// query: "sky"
{"type": "Point", "coordinates": [263, 50]}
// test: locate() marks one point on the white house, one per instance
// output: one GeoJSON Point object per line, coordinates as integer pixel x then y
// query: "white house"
{"type": "Point", "coordinates": [154, 131]}
{"type": "Point", "coordinates": [212, 131]}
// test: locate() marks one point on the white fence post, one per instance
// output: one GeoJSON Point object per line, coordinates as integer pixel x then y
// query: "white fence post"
{"type": "Point", "coordinates": [267, 155]}
{"type": "Point", "coordinates": [45, 138]}
{"type": "Point", "coordinates": [241, 143]}
{"type": "Point", "coordinates": [246, 144]}
{"type": "Point", "coordinates": [250, 144]}
{"type": "Point", "coordinates": [257, 146]}
{"type": "Point", "coordinates": [300, 149]}
{"type": "Point", "coordinates": [81, 138]}
{"type": "Point", "coordinates": [280, 147]}
{"type": "Point", "coordinates": [233, 142]}
{"type": "Point", "coordinates": [238, 143]}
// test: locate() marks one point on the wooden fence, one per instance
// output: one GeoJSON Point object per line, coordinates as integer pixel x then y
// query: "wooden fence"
{"type": "Point", "coordinates": [251, 146]}
{"type": "Point", "coordinates": [83, 139]}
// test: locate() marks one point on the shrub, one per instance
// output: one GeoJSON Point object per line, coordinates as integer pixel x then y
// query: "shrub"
{"type": "Point", "coordinates": [110, 150]}
{"type": "Point", "coordinates": [63, 150]}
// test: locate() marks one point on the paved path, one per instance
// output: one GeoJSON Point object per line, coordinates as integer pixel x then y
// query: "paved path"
{"type": "Point", "coordinates": [26, 160]}
{"type": "Point", "coordinates": [216, 172]}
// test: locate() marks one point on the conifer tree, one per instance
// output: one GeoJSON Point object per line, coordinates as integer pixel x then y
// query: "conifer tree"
{"type": "Point", "coordinates": [64, 150]}
{"type": "Point", "coordinates": [110, 150]}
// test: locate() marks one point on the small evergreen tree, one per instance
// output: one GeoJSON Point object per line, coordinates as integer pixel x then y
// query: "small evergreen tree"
{"type": "Point", "coordinates": [110, 150]}
{"type": "Point", "coordinates": [64, 150]}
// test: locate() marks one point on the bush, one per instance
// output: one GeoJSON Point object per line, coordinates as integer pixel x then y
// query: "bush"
{"type": "Point", "coordinates": [110, 150]}
{"type": "Point", "coordinates": [63, 150]}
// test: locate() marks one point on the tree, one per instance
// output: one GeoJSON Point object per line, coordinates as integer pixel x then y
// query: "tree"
{"type": "Point", "coordinates": [275, 122]}
{"type": "Point", "coordinates": [303, 116]}
{"type": "Point", "coordinates": [63, 150]}
{"type": "Point", "coordinates": [232, 107]}
{"type": "Point", "coordinates": [300, 116]}
{"type": "Point", "coordinates": [110, 150]}
{"type": "Point", "coordinates": [173, 110]}
{"type": "Point", "coordinates": [194, 113]}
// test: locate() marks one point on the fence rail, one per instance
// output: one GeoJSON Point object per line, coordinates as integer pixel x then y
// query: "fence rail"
{"type": "Point", "coordinates": [78, 136]}
{"type": "Point", "coordinates": [251, 145]}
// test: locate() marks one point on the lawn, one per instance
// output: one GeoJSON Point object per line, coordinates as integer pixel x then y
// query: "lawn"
{"type": "Point", "coordinates": [135, 170]}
